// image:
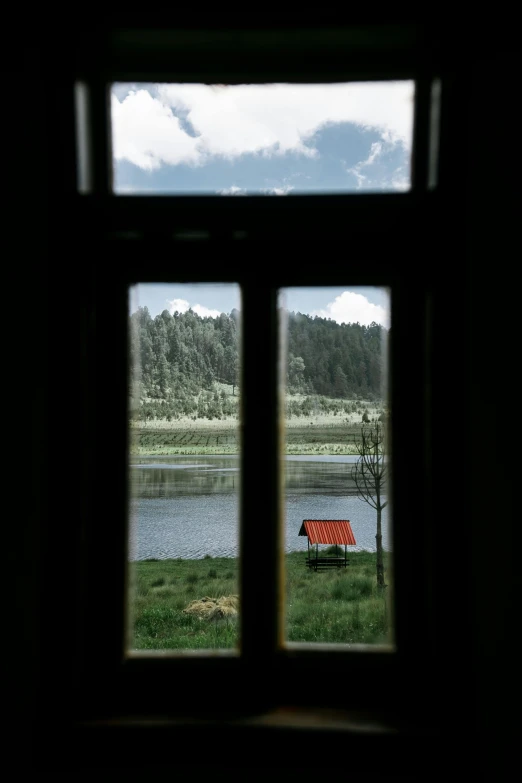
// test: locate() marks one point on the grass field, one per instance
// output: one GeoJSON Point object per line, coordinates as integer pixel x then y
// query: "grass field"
{"type": "Point", "coordinates": [192, 440]}
{"type": "Point", "coordinates": [304, 437]}
{"type": "Point", "coordinates": [323, 432]}
{"type": "Point", "coordinates": [337, 606]}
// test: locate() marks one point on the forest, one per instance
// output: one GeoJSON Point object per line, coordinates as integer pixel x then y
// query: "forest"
{"type": "Point", "coordinates": [183, 364]}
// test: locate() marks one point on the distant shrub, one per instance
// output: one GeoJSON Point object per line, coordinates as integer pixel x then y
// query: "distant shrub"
{"type": "Point", "coordinates": [334, 551]}
{"type": "Point", "coordinates": [212, 574]}
{"type": "Point", "coordinates": [207, 557]}
{"type": "Point", "coordinates": [192, 578]}
{"type": "Point", "coordinates": [158, 582]}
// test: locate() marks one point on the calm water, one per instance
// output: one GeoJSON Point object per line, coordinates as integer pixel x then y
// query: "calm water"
{"type": "Point", "coordinates": [188, 506]}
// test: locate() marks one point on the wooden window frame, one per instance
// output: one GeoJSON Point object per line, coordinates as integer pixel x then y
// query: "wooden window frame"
{"type": "Point", "coordinates": [131, 239]}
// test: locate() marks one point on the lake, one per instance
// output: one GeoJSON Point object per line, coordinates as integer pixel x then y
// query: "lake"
{"type": "Point", "coordinates": [188, 506]}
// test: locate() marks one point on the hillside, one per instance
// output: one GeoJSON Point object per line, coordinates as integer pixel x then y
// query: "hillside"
{"type": "Point", "coordinates": [185, 367]}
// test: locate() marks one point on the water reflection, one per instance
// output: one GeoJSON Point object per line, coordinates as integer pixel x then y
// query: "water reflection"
{"type": "Point", "coordinates": [319, 477]}
{"type": "Point", "coordinates": [155, 482]}
{"type": "Point", "coordinates": [211, 475]}
{"type": "Point", "coordinates": [186, 507]}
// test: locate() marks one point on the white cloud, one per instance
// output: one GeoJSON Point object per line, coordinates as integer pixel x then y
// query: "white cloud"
{"type": "Point", "coordinates": [267, 119]}
{"type": "Point", "coordinates": [350, 307]}
{"type": "Point", "coordinates": [282, 191]}
{"type": "Point", "coordinates": [361, 178]}
{"type": "Point", "coordinates": [400, 182]}
{"type": "Point", "coordinates": [182, 305]}
{"type": "Point", "coordinates": [233, 190]}
{"type": "Point", "coordinates": [205, 312]}
{"type": "Point", "coordinates": [375, 151]}
{"type": "Point", "coordinates": [179, 305]}
{"type": "Point", "coordinates": [397, 181]}
{"type": "Point", "coordinates": [145, 132]}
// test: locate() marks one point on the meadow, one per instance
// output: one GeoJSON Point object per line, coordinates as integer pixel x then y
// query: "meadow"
{"type": "Point", "coordinates": [192, 604]}
{"type": "Point", "coordinates": [331, 432]}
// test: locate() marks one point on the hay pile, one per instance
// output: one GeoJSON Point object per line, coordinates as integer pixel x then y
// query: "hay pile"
{"type": "Point", "coordinates": [214, 608]}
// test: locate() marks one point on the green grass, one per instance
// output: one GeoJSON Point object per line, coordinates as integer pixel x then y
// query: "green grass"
{"type": "Point", "coordinates": [329, 430]}
{"type": "Point", "coordinates": [162, 589]}
{"type": "Point", "coordinates": [198, 438]}
{"type": "Point", "coordinates": [192, 440]}
{"type": "Point", "coordinates": [337, 606]}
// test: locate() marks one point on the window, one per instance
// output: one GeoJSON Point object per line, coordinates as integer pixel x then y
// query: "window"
{"type": "Point", "coordinates": [264, 245]}
{"type": "Point", "coordinates": [265, 139]}
{"type": "Point", "coordinates": [184, 465]}
{"type": "Point", "coordinates": [337, 544]}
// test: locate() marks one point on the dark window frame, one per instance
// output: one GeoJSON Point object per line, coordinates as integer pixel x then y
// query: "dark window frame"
{"type": "Point", "coordinates": [134, 237]}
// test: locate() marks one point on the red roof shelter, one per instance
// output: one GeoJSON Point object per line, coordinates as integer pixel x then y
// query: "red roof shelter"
{"type": "Point", "coordinates": [327, 531]}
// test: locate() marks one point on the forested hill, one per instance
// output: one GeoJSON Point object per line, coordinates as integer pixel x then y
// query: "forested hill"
{"type": "Point", "coordinates": [336, 360]}
{"type": "Point", "coordinates": [180, 355]}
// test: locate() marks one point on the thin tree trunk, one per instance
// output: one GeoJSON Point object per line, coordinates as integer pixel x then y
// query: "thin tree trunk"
{"type": "Point", "coordinates": [378, 538]}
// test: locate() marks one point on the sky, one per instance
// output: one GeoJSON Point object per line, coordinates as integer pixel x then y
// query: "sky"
{"type": "Point", "coordinates": [273, 139]}
{"type": "Point", "coordinates": [344, 305]}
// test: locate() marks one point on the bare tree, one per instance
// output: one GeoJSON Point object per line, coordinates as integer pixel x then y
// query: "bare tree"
{"type": "Point", "coordinates": [369, 474]}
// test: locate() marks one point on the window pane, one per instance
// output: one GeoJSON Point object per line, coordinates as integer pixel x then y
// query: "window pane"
{"type": "Point", "coordinates": [272, 139]}
{"type": "Point", "coordinates": [337, 544]}
{"type": "Point", "coordinates": [184, 466]}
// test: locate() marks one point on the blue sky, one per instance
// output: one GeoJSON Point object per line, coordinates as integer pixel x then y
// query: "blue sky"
{"type": "Point", "coordinates": [274, 139]}
{"type": "Point", "coordinates": [348, 305]}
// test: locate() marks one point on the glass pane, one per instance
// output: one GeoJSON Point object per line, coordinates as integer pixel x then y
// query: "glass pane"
{"type": "Point", "coordinates": [337, 543]}
{"type": "Point", "coordinates": [184, 467]}
{"type": "Point", "coordinates": [271, 139]}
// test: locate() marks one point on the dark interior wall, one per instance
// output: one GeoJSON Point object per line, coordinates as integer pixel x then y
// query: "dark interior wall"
{"type": "Point", "coordinates": [492, 267]}
{"type": "Point", "coordinates": [475, 407]}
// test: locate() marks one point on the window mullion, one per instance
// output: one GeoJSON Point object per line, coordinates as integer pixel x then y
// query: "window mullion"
{"type": "Point", "coordinates": [100, 135]}
{"type": "Point", "coordinates": [421, 128]}
{"type": "Point", "coordinates": [260, 583]}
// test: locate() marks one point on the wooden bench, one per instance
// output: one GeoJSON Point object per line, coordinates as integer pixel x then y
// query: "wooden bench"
{"type": "Point", "coordinates": [321, 563]}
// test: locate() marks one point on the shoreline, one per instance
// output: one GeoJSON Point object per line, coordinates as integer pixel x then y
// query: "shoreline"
{"type": "Point", "coordinates": [219, 438]}
{"type": "Point", "coordinates": [328, 450]}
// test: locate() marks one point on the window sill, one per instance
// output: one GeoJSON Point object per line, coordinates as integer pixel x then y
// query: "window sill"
{"type": "Point", "coordinates": [297, 738]}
